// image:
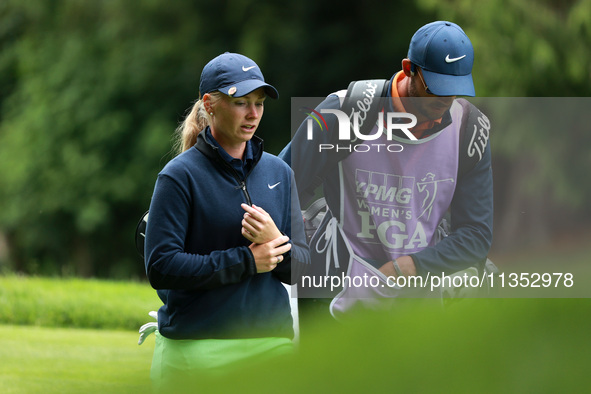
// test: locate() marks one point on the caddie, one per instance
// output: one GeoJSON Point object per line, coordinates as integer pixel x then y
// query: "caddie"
{"type": "Point", "coordinates": [389, 191]}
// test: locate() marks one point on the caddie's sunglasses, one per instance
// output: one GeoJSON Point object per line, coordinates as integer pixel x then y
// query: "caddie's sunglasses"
{"type": "Point", "coordinates": [423, 82]}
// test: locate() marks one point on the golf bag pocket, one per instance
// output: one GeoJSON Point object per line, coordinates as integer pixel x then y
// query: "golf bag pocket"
{"type": "Point", "coordinates": [364, 288]}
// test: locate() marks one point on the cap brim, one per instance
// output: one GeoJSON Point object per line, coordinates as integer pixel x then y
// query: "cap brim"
{"type": "Point", "coordinates": [245, 87]}
{"type": "Point", "coordinates": [449, 85]}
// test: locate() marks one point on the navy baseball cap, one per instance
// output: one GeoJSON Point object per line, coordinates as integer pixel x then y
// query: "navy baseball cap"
{"type": "Point", "coordinates": [445, 54]}
{"type": "Point", "coordinates": [234, 75]}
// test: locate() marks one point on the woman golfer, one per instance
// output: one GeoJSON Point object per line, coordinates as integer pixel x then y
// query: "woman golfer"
{"type": "Point", "coordinates": [222, 234]}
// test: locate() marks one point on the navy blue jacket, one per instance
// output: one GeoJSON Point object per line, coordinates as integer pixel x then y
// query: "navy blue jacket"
{"type": "Point", "coordinates": [197, 258]}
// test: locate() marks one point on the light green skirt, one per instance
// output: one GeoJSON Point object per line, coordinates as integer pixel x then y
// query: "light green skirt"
{"type": "Point", "coordinates": [176, 360]}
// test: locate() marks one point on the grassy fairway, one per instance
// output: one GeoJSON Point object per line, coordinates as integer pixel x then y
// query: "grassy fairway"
{"type": "Point", "coordinates": [88, 343]}
{"type": "Point", "coordinates": [481, 346]}
{"type": "Point", "coordinates": [60, 360]}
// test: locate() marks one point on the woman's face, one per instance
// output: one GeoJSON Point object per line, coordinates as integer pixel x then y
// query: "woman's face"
{"type": "Point", "coordinates": [235, 119]}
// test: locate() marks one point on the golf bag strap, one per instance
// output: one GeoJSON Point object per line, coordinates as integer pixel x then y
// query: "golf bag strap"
{"type": "Point", "coordinates": [475, 126]}
{"type": "Point", "coordinates": [364, 92]}
{"type": "Point", "coordinates": [357, 91]}
{"type": "Point", "coordinates": [314, 209]}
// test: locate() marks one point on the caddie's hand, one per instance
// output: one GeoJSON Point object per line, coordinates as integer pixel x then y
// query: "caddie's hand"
{"type": "Point", "coordinates": [406, 264]}
{"type": "Point", "coordinates": [258, 226]}
{"type": "Point", "coordinates": [269, 254]}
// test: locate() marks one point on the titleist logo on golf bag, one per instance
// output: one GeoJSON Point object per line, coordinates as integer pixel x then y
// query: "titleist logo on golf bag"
{"type": "Point", "coordinates": [480, 137]}
{"type": "Point", "coordinates": [364, 103]}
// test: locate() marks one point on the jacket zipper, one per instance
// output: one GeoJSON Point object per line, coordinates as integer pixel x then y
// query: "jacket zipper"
{"type": "Point", "coordinates": [245, 191]}
{"type": "Point", "coordinates": [241, 183]}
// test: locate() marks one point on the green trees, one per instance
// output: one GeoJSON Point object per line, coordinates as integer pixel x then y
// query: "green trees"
{"type": "Point", "coordinates": [91, 92]}
{"type": "Point", "coordinates": [84, 130]}
{"type": "Point", "coordinates": [531, 48]}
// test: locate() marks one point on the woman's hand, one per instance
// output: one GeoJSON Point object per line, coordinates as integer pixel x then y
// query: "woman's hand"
{"type": "Point", "coordinates": [258, 226]}
{"type": "Point", "coordinates": [269, 254]}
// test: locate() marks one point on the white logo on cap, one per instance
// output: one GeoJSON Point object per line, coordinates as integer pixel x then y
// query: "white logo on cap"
{"type": "Point", "coordinates": [245, 69]}
{"type": "Point", "coordinates": [455, 59]}
{"type": "Point", "coordinates": [232, 90]}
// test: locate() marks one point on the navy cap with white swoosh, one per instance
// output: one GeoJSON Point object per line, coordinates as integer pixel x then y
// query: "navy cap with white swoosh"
{"type": "Point", "coordinates": [445, 55]}
{"type": "Point", "coordinates": [234, 75]}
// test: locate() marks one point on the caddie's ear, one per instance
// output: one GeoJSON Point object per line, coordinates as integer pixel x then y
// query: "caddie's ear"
{"type": "Point", "coordinates": [407, 67]}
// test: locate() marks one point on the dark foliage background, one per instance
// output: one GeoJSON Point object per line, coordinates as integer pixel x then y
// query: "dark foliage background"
{"type": "Point", "coordinates": [91, 92]}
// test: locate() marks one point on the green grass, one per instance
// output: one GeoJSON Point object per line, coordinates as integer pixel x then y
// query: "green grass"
{"type": "Point", "coordinates": [472, 346]}
{"type": "Point", "coordinates": [59, 360]}
{"type": "Point", "coordinates": [477, 346]}
{"type": "Point", "coordinates": [481, 346]}
{"type": "Point", "coordinates": [82, 303]}
{"type": "Point", "coordinates": [74, 335]}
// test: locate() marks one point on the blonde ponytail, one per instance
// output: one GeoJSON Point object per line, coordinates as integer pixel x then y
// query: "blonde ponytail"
{"type": "Point", "coordinates": [195, 121]}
